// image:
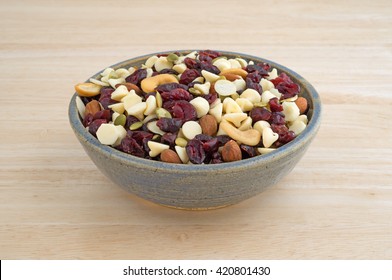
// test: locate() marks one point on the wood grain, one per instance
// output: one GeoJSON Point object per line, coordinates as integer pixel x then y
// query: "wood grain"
{"type": "Point", "coordinates": [337, 202]}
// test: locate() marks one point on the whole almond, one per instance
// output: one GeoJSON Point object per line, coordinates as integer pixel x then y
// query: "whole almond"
{"type": "Point", "coordinates": [231, 151]}
{"type": "Point", "coordinates": [208, 125]}
{"type": "Point", "coordinates": [231, 77]}
{"type": "Point", "coordinates": [302, 104]}
{"type": "Point", "coordinates": [130, 87]}
{"type": "Point", "coordinates": [170, 156]}
{"type": "Point", "coordinates": [92, 107]}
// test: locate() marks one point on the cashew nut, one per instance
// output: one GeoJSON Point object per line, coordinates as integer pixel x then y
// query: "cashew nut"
{"type": "Point", "coordinates": [249, 137]}
{"type": "Point", "coordinates": [149, 84]}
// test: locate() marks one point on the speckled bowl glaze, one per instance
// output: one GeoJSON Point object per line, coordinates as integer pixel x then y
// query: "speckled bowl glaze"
{"type": "Point", "coordinates": [196, 187]}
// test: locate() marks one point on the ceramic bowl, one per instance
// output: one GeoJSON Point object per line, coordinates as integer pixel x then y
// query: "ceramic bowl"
{"type": "Point", "coordinates": [208, 186]}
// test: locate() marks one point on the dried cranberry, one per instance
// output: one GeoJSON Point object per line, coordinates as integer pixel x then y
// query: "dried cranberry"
{"type": "Point", "coordinates": [256, 86]}
{"type": "Point", "coordinates": [253, 77]}
{"type": "Point", "coordinates": [137, 76]}
{"type": "Point", "coordinates": [195, 151]}
{"type": "Point", "coordinates": [203, 137]}
{"type": "Point", "coordinates": [140, 136]}
{"type": "Point", "coordinates": [277, 118]}
{"type": "Point", "coordinates": [248, 151]}
{"type": "Point", "coordinates": [188, 76]}
{"type": "Point", "coordinates": [106, 101]}
{"type": "Point", "coordinates": [264, 65]}
{"type": "Point", "coordinates": [223, 139]}
{"type": "Point", "coordinates": [88, 119]}
{"type": "Point", "coordinates": [281, 129]}
{"type": "Point", "coordinates": [94, 125]}
{"type": "Point", "coordinates": [165, 71]}
{"type": "Point", "coordinates": [204, 65]}
{"type": "Point", "coordinates": [106, 92]}
{"type": "Point", "coordinates": [169, 139]}
{"type": "Point", "coordinates": [216, 158]}
{"type": "Point", "coordinates": [208, 55]}
{"type": "Point", "coordinates": [130, 146]}
{"type": "Point", "coordinates": [211, 97]}
{"type": "Point", "coordinates": [176, 94]}
{"type": "Point", "coordinates": [181, 109]}
{"type": "Point", "coordinates": [169, 124]}
{"type": "Point", "coordinates": [169, 87]}
{"type": "Point", "coordinates": [103, 114]}
{"type": "Point", "coordinates": [286, 86]}
{"type": "Point", "coordinates": [256, 69]}
{"type": "Point", "coordinates": [211, 146]}
{"type": "Point", "coordinates": [275, 106]}
{"type": "Point", "coordinates": [191, 63]}
{"type": "Point", "coordinates": [286, 138]}
{"type": "Point", "coordinates": [259, 114]}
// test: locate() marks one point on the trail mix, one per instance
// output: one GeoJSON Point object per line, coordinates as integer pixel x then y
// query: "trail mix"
{"type": "Point", "coordinates": [199, 107]}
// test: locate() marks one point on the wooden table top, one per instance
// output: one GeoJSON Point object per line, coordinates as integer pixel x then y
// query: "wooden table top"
{"type": "Point", "coordinates": [336, 203]}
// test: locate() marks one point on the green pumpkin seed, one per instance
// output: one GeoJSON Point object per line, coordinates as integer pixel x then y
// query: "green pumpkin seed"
{"type": "Point", "coordinates": [172, 57]}
{"type": "Point", "coordinates": [181, 142]}
{"type": "Point", "coordinates": [136, 125]}
{"type": "Point", "coordinates": [120, 120]}
{"type": "Point", "coordinates": [159, 100]}
{"type": "Point", "coordinates": [163, 113]}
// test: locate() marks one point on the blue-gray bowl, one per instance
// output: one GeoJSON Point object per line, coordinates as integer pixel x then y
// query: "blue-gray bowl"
{"type": "Point", "coordinates": [208, 186]}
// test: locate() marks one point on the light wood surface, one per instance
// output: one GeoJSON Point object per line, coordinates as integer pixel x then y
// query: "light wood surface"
{"type": "Point", "coordinates": [337, 202]}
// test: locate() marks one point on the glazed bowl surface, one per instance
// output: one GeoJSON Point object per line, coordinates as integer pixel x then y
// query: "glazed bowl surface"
{"type": "Point", "coordinates": [205, 186]}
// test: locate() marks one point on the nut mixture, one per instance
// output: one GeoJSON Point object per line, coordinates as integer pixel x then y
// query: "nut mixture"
{"type": "Point", "coordinates": [199, 107]}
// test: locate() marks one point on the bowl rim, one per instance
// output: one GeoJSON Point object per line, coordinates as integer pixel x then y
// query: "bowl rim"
{"type": "Point", "coordinates": [127, 159]}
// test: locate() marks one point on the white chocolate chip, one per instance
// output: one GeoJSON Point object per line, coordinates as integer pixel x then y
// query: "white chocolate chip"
{"type": "Point", "coordinates": [216, 102]}
{"type": "Point", "coordinates": [252, 95]}
{"type": "Point", "coordinates": [273, 74]}
{"type": "Point", "coordinates": [192, 55]}
{"type": "Point", "coordinates": [260, 125]}
{"type": "Point", "coordinates": [151, 61]}
{"type": "Point", "coordinates": [264, 151]}
{"type": "Point", "coordinates": [119, 93]}
{"type": "Point", "coordinates": [222, 64]}
{"type": "Point", "coordinates": [162, 63]}
{"type": "Point", "coordinates": [225, 87]}
{"type": "Point", "coordinates": [107, 71]}
{"type": "Point", "coordinates": [137, 110]}
{"type": "Point", "coordinates": [152, 126]}
{"type": "Point", "coordinates": [107, 134]}
{"type": "Point", "coordinates": [303, 118]}
{"type": "Point", "coordinates": [290, 111]}
{"type": "Point", "coordinates": [269, 137]}
{"type": "Point", "coordinates": [80, 105]}
{"type": "Point", "coordinates": [114, 82]}
{"type": "Point", "coordinates": [203, 88]}
{"type": "Point", "coordinates": [190, 129]}
{"type": "Point", "coordinates": [297, 127]}
{"type": "Point", "coordinates": [216, 111]}
{"type": "Point", "coordinates": [245, 104]}
{"type": "Point", "coordinates": [181, 152]}
{"type": "Point", "coordinates": [235, 118]}
{"type": "Point", "coordinates": [234, 63]}
{"type": "Point", "coordinates": [201, 105]}
{"type": "Point", "coordinates": [151, 105]}
{"type": "Point", "coordinates": [156, 148]}
{"type": "Point", "coordinates": [210, 77]}
{"type": "Point", "coordinates": [266, 96]}
{"type": "Point", "coordinates": [117, 107]}
{"type": "Point", "coordinates": [240, 84]}
{"type": "Point", "coordinates": [131, 99]}
{"type": "Point", "coordinates": [149, 72]}
{"type": "Point", "coordinates": [131, 70]}
{"type": "Point", "coordinates": [179, 68]}
{"type": "Point", "coordinates": [230, 106]}
{"type": "Point", "coordinates": [121, 133]}
{"type": "Point", "coordinates": [266, 85]}
{"type": "Point", "coordinates": [275, 92]}
{"type": "Point", "coordinates": [242, 62]}
{"type": "Point", "coordinates": [122, 73]}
